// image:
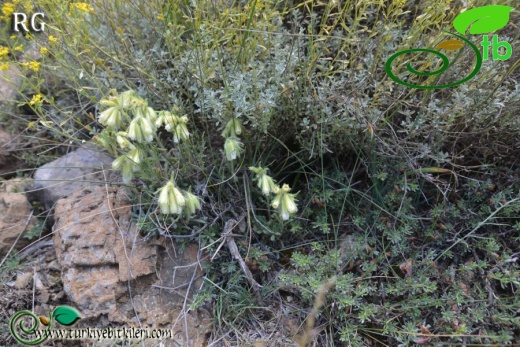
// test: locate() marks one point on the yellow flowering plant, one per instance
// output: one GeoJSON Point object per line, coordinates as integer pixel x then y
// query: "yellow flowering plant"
{"type": "Point", "coordinates": [7, 10]}
{"type": "Point", "coordinates": [4, 51]}
{"type": "Point", "coordinates": [32, 65]}
{"type": "Point", "coordinates": [36, 100]}
{"type": "Point", "coordinates": [82, 6]}
{"type": "Point", "coordinates": [53, 39]}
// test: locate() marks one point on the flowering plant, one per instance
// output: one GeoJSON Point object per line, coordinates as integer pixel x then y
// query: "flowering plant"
{"type": "Point", "coordinates": [131, 127]}
{"type": "Point", "coordinates": [284, 202]}
{"type": "Point", "coordinates": [131, 133]}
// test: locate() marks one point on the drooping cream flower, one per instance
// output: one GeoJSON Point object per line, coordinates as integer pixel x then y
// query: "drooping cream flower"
{"type": "Point", "coordinates": [233, 148]}
{"type": "Point", "coordinates": [175, 125]}
{"type": "Point", "coordinates": [150, 114]}
{"type": "Point", "coordinates": [171, 200]}
{"type": "Point", "coordinates": [125, 99]}
{"type": "Point", "coordinates": [159, 121]}
{"type": "Point", "coordinates": [192, 203]}
{"type": "Point", "coordinates": [169, 119]}
{"type": "Point", "coordinates": [181, 131]}
{"type": "Point", "coordinates": [111, 117]}
{"type": "Point", "coordinates": [232, 128]}
{"type": "Point", "coordinates": [126, 166]}
{"type": "Point", "coordinates": [135, 156]}
{"type": "Point", "coordinates": [265, 182]}
{"type": "Point", "coordinates": [284, 201]}
{"type": "Point", "coordinates": [141, 130]}
{"type": "Point", "coordinates": [122, 140]}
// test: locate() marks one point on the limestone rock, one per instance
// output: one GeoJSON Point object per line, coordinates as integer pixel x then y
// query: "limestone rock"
{"type": "Point", "coordinates": [86, 166]}
{"type": "Point", "coordinates": [14, 212]}
{"type": "Point", "coordinates": [115, 277]}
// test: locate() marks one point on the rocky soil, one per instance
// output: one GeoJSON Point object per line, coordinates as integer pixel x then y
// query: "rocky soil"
{"type": "Point", "coordinates": [94, 259]}
{"type": "Point", "coordinates": [86, 252]}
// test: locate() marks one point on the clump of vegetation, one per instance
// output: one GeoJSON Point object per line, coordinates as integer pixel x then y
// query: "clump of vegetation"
{"type": "Point", "coordinates": [414, 270]}
{"type": "Point", "coordinates": [404, 202]}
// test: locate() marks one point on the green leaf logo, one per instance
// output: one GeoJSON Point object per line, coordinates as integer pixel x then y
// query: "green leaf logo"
{"type": "Point", "coordinates": [482, 20]}
{"type": "Point", "coordinates": [65, 315]}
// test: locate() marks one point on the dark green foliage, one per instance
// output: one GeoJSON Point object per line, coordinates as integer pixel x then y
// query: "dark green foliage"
{"type": "Point", "coordinates": [417, 264]}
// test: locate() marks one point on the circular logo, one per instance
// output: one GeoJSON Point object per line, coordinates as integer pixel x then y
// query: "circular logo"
{"type": "Point", "coordinates": [445, 65]}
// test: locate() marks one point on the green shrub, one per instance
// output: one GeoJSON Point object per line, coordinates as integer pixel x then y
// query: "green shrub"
{"type": "Point", "coordinates": [393, 183]}
{"type": "Point", "coordinates": [411, 270]}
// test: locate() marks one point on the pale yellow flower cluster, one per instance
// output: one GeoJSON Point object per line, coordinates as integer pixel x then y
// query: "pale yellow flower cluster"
{"type": "Point", "coordinates": [33, 65]}
{"type": "Point", "coordinates": [174, 201]}
{"type": "Point", "coordinates": [174, 123]}
{"type": "Point", "coordinates": [265, 182]}
{"type": "Point", "coordinates": [129, 112]}
{"type": "Point", "coordinates": [37, 99]}
{"type": "Point", "coordinates": [399, 3]}
{"type": "Point", "coordinates": [82, 6]}
{"type": "Point", "coordinates": [233, 147]}
{"type": "Point", "coordinates": [8, 8]}
{"type": "Point", "coordinates": [284, 202]}
{"type": "Point", "coordinates": [3, 51]}
{"type": "Point", "coordinates": [134, 126]}
{"type": "Point", "coordinates": [53, 39]}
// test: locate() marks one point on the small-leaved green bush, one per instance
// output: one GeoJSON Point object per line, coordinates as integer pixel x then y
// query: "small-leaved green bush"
{"type": "Point", "coordinates": [409, 271]}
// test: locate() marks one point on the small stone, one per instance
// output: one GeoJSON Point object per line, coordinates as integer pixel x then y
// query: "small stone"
{"type": "Point", "coordinates": [23, 279]}
{"type": "Point", "coordinates": [43, 297]}
{"type": "Point", "coordinates": [38, 283]}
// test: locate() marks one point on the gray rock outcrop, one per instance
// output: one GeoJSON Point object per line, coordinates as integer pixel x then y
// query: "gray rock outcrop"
{"type": "Point", "coordinates": [84, 167]}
